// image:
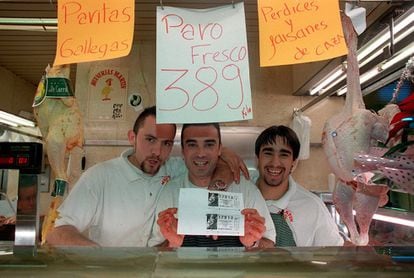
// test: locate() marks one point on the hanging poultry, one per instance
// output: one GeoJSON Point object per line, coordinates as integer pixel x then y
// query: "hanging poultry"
{"type": "Point", "coordinates": [354, 130]}
{"type": "Point", "coordinates": [60, 121]}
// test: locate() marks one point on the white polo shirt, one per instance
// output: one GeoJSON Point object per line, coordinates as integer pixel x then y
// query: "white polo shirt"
{"type": "Point", "coordinates": [252, 198]}
{"type": "Point", "coordinates": [115, 201]}
{"type": "Point", "coordinates": [308, 217]}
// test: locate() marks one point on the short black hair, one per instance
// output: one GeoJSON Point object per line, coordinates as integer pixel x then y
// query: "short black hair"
{"type": "Point", "coordinates": [149, 111]}
{"type": "Point", "coordinates": [268, 136]}
{"type": "Point", "coordinates": [216, 125]}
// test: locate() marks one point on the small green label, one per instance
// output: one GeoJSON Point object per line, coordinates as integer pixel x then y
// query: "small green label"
{"type": "Point", "coordinates": [60, 187]}
{"type": "Point", "coordinates": [58, 87]}
{"type": "Point", "coordinates": [40, 93]}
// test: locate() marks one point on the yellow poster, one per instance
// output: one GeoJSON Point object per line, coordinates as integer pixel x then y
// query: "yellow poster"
{"type": "Point", "coordinates": [299, 31]}
{"type": "Point", "coordinates": [94, 30]}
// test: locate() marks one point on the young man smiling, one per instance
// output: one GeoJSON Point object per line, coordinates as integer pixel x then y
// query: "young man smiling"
{"type": "Point", "coordinates": [306, 216]}
{"type": "Point", "coordinates": [201, 148]}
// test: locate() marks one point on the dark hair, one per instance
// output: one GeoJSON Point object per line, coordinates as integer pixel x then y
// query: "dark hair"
{"type": "Point", "coordinates": [268, 136]}
{"type": "Point", "coordinates": [216, 125]}
{"type": "Point", "coordinates": [149, 111]}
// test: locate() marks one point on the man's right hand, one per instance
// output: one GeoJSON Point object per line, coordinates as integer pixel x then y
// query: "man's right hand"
{"type": "Point", "coordinates": [7, 220]}
{"type": "Point", "coordinates": [168, 226]}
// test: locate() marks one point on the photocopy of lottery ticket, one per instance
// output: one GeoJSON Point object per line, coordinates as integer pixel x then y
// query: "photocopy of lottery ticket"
{"type": "Point", "coordinates": [204, 212]}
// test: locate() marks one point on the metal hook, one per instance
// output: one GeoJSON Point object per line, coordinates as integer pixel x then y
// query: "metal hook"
{"type": "Point", "coordinates": [232, 2]}
{"type": "Point", "coordinates": [296, 112]}
{"type": "Point", "coordinates": [162, 5]}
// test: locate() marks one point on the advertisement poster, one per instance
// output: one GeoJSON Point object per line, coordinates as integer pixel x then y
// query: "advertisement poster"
{"type": "Point", "coordinates": [107, 94]}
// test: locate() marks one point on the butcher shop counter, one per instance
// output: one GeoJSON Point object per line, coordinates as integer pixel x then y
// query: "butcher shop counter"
{"type": "Point", "coordinates": [215, 262]}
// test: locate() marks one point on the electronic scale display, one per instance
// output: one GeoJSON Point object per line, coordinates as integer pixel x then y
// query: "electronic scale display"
{"type": "Point", "coordinates": [25, 156]}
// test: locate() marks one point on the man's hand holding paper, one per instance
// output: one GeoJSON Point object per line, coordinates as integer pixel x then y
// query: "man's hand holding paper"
{"type": "Point", "coordinates": [168, 227]}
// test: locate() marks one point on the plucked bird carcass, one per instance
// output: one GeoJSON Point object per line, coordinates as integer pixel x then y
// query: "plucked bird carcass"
{"type": "Point", "coordinates": [354, 130]}
{"type": "Point", "coordinates": [58, 116]}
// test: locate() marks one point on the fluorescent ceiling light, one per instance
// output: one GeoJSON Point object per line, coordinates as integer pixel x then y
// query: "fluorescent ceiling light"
{"type": "Point", "coordinates": [369, 74]}
{"type": "Point", "coordinates": [382, 216]}
{"type": "Point", "coordinates": [28, 24]}
{"type": "Point", "coordinates": [28, 21]}
{"type": "Point", "coordinates": [385, 36]}
{"type": "Point", "coordinates": [328, 81]}
{"type": "Point", "coordinates": [395, 220]}
{"type": "Point", "coordinates": [341, 91]}
{"type": "Point", "coordinates": [367, 53]}
{"type": "Point", "coordinates": [402, 55]}
{"type": "Point", "coordinates": [319, 262]}
{"type": "Point", "coordinates": [15, 120]}
{"type": "Point", "coordinates": [4, 121]}
{"type": "Point", "coordinates": [365, 77]}
{"type": "Point", "coordinates": [28, 28]}
{"type": "Point", "coordinates": [381, 51]}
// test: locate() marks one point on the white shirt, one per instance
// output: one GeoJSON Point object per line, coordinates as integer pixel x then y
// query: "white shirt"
{"type": "Point", "coordinates": [310, 221]}
{"type": "Point", "coordinates": [116, 201]}
{"type": "Point", "coordinates": [251, 196]}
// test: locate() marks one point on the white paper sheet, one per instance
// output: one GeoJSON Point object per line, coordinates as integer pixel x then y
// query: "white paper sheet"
{"type": "Point", "coordinates": [204, 212]}
{"type": "Point", "coordinates": [7, 209]}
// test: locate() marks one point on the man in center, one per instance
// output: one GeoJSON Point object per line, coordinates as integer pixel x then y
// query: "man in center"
{"type": "Point", "coordinates": [201, 148]}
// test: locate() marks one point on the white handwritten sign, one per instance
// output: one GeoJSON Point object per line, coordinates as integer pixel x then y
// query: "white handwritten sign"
{"type": "Point", "coordinates": [202, 65]}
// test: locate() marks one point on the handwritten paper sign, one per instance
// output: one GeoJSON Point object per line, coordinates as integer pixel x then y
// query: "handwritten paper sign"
{"type": "Point", "coordinates": [107, 93]}
{"type": "Point", "coordinates": [94, 30]}
{"type": "Point", "coordinates": [299, 31]}
{"type": "Point", "coordinates": [202, 65]}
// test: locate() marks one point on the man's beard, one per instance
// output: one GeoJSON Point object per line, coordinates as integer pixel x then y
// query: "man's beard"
{"type": "Point", "coordinates": [271, 182]}
{"type": "Point", "coordinates": [148, 169]}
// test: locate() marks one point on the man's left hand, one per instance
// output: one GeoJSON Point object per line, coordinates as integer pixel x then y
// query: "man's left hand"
{"type": "Point", "coordinates": [254, 227]}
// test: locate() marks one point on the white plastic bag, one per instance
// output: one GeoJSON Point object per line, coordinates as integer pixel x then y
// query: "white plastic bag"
{"type": "Point", "coordinates": [302, 126]}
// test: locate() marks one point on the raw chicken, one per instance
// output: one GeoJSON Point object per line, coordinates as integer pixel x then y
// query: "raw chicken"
{"type": "Point", "coordinates": [353, 131]}
{"type": "Point", "coordinates": [60, 123]}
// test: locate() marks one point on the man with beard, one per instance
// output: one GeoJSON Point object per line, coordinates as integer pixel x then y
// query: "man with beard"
{"type": "Point", "coordinates": [113, 202]}
{"type": "Point", "coordinates": [299, 216]}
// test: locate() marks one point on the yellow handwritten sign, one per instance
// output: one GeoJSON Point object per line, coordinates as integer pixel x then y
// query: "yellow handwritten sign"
{"type": "Point", "coordinates": [94, 30]}
{"type": "Point", "coordinates": [299, 31]}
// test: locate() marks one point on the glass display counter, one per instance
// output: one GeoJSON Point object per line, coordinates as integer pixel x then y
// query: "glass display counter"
{"type": "Point", "coordinates": [210, 262]}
